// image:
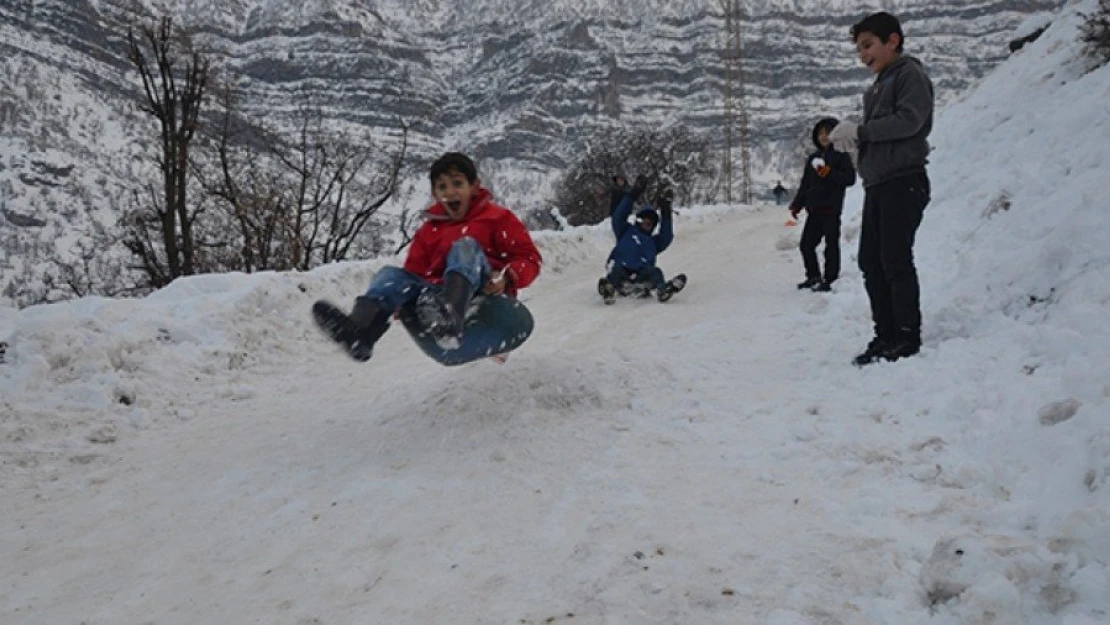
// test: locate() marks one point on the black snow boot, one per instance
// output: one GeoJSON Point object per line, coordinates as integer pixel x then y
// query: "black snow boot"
{"type": "Point", "coordinates": [809, 283]}
{"type": "Point", "coordinates": [356, 333]}
{"type": "Point", "coordinates": [674, 285]}
{"type": "Point", "coordinates": [607, 291]}
{"type": "Point", "coordinates": [371, 321]}
{"type": "Point", "coordinates": [874, 352]}
{"type": "Point", "coordinates": [907, 343]}
{"type": "Point", "coordinates": [444, 313]}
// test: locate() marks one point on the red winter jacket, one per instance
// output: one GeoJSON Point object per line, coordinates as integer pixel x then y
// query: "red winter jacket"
{"type": "Point", "coordinates": [503, 237]}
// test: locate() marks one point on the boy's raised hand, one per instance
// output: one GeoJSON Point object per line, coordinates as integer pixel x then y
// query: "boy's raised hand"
{"type": "Point", "coordinates": [665, 201]}
{"type": "Point", "coordinates": [845, 136]}
{"type": "Point", "coordinates": [638, 187]}
{"type": "Point", "coordinates": [497, 283]}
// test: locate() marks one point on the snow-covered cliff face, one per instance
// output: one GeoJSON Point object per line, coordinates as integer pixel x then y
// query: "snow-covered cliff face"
{"type": "Point", "coordinates": [511, 81]}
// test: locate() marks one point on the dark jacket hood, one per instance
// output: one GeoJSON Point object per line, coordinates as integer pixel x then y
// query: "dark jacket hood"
{"type": "Point", "coordinates": [828, 122]}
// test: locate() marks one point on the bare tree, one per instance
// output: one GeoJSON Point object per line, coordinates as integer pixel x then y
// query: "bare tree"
{"type": "Point", "coordinates": [1095, 33]}
{"type": "Point", "coordinates": [92, 272]}
{"type": "Point", "coordinates": [292, 203]}
{"type": "Point", "coordinates": [673, 156]}
{"type": "Point", "coordinates": [406, 228]}
{"type": "Point", "coordinates": [249, 192]}
{"type": "Point", "coordinates": [89, 268]}
{"type": "Point", "coordinates": [338, 186]}
{"type": "Point", "coordinates": [175, 79]}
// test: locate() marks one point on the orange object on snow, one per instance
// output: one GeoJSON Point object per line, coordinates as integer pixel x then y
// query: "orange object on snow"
{"type": "Point", "coordinates": [790, 223]}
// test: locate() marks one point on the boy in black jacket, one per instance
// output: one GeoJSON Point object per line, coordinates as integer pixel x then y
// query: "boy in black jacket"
{"type": "Point", "coordinates": [826, 175]}
{"type": "Point", "coordinates": [893, 151]}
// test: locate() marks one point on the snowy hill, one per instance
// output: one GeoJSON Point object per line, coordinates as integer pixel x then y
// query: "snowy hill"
{"type": "Point", "coordinates": [203, 456]}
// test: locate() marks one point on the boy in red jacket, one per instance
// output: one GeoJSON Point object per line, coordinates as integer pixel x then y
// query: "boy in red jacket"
{"type": "Point", "coordinates": [468, 245]}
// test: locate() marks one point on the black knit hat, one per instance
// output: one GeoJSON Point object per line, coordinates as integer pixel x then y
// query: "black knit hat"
{"type": "Point", "coordinates": [648, 212]}
{"type": "Point", "coordinates": [828, 124]}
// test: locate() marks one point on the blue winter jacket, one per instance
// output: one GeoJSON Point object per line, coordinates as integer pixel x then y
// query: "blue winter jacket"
{"type": "Point", "coordinates": [635, 248]}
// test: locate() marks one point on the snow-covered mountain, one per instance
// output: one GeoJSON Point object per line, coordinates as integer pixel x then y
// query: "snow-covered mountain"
{"type": "Point", "coordinates": [204, 455]}
{"type": "Point", "coordinates": [518, 84]}
{"type": "Point", "coordinates": [507, 78]}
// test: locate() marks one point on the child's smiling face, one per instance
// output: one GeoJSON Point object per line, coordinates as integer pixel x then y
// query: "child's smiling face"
{"type": "Point", "coordinates": [875, 54]}
{"type": "Point", "coordinates": [454, 191]}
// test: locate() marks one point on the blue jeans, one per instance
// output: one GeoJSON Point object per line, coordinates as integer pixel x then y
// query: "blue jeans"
{"type": "Point", "coordinates": [393, 287]}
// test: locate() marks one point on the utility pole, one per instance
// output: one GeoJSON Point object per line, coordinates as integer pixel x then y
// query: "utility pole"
{"type": "Point", "coordinates": [726, 57]}
{"type": "Point", "coordinates": [736, 110]}
{"type": "Point", "coordinates": [745, 134]}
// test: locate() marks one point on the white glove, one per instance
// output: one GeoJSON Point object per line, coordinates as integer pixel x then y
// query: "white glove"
{"type": "Point", "coordinates": [821, 167]}
{"type": "Point", "coordinates": [845, 136]}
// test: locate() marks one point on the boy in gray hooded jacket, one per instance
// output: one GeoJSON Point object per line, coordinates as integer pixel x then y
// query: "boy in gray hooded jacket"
{"type": "Point", "coordinates": [893, 152]}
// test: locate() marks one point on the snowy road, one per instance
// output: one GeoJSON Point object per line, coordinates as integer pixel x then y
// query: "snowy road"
{"type": "Point", "coordinates": [638, 463]}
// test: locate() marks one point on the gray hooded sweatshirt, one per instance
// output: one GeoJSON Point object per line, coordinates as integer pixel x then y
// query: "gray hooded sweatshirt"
{"type": "Point", "coordinates": [897, 118]}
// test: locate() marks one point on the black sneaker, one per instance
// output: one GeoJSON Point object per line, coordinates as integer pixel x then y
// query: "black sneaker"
{"type": "Point", "coordinates": [606, 290]}
{"type": "Point", "coordinates": [674, 285]}
{"type": "Point", "coordinates": [902, 348]}
{"type": "Point", "coordinates": [809, 283]}
{"type": "Point", "coordinates": [339, 327]}
{"type": "Point", "coordinates": [874, 352]}
{"type": "Point", "coordinates": [822, 287]}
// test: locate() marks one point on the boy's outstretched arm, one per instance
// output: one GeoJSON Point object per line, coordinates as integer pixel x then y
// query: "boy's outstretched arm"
{"type": "Point", "coordinates": [666, 221]}
{"type": "Point", "coordinates": [419, 260]}
{"type": "Point", "coordinates": [616, 194]}
{"type": "Point", "coordinates": [619, 220]}
{"type": "Point", "coordinates": [799, 201]}
{"type": "Point", "coordinates": [515, 245]}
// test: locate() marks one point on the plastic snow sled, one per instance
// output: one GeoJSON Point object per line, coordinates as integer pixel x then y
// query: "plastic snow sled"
{"type": "Point", "coordinates": [495, 326]}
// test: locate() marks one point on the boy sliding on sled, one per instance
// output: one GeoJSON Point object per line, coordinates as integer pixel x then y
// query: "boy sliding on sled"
{"type": "Point", "coordinates": [632, 261]}
{"type": "Point", "coordinates": [468, 245]}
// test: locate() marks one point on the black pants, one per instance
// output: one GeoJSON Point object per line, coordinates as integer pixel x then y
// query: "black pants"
{"type": "Point", "coordinates": [819, 227]}
{"type": "Point", "coordinates": [891, 214]}
{"type": "Point", "coordinates": [652, 275]}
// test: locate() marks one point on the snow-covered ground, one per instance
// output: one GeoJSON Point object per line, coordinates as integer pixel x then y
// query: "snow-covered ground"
{"type": "Point", "coordinates": [204, 456]}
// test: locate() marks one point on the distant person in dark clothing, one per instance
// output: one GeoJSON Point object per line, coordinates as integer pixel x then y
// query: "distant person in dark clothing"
{"type": "Point", "coordinates": [780, 193]}
{"type": "Point", "coordinates": [893, 152]}
{"type": "Point", "coordinates": [826, 175]}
